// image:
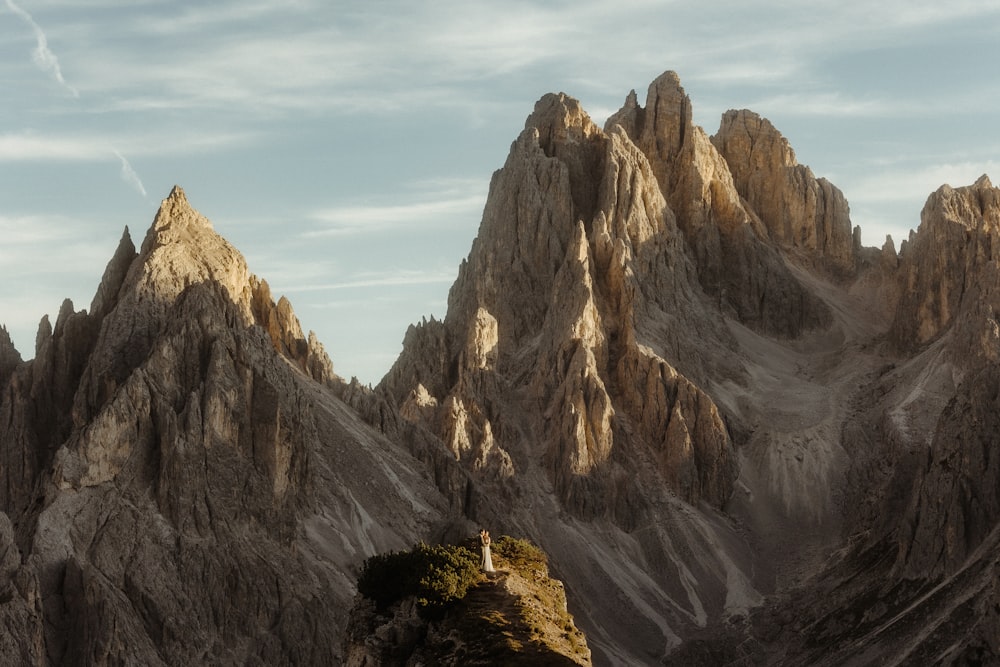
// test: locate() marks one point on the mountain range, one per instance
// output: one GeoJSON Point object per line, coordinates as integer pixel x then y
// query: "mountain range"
{"type": "Point", "coordinates": [740, 436]}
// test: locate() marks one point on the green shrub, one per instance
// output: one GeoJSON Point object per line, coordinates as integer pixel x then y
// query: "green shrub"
{"type": "Point", "coordinates": [448, 573]}
{"type": "Point", "coordinates": [436, 575]}
{"type": "Point", "coordinates": [520, 554]}
{"type": "Point", "coordinates": [387, 577]}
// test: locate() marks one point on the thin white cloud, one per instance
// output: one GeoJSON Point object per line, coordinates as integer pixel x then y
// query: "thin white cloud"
{"type": "Point", "coordinates": [914, 184]}
{"type": "Point", "coordinates": [829, 104]}
{"type": "Point", "coordinates": [362, 58]}
{"type": "Point", "coordinates": [63, 245]}
{"type": "Point", "coordinates": [445, 204]}
{"type": "Point", "coordinates": [924, 13]}
{"type": "Point", "coordinates": [377, 218]}
{"type": "Point", "coordinates": [19, 230]}
{"type": "Point", "coordinates": [31, 147]}
{"type": "Point", "coordinates": [367, 280]}
{"type": "Point", "coordinates": [43, 56]}
{"type": "Point", "coordinates": [129, 176]}
{"type": "Point", "coordinates": [270, 58]}
{"type": "Point", "coordinates": [212, 17]}
{"type": "Point", "coordinates": [34, 147]}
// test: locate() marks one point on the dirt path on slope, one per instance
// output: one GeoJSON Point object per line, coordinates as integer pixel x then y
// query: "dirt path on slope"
{"type": "Point", "coordinates": [798, 399]}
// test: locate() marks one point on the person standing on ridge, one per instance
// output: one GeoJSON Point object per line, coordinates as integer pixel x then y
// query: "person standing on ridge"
{"type": "Point", "coordinates": [486, 562]}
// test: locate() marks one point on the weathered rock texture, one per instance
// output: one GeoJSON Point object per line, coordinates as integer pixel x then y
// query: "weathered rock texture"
{"type": "Point", "coordinates": [516, 616]}
{"type": "Point", "coordinates": [581, 335]}
{"type": "Point", "coordinates": [917, 581]}
{"type": "Point", "coordinates": [666, 360]}
{"type": "Point", "coordinates": [799, 211]}
{"type": "Point", "coordinates": [180, 484]}
{"type": "Point", "coordinates": [949, 272]}
{"type": "Point", "coordinates": [651, 321]}
{"type": "Point", "coordinates": [727, 239]}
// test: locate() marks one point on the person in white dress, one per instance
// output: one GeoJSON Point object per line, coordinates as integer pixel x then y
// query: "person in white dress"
{"type": "Point", "coordinates": [486, 563]}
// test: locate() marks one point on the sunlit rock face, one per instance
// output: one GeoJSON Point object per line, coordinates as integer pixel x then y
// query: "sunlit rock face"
{"type": "Point", "coordinates": [176, 485]}
{"type": "Point", "coordinates": [666, 360]}
{"type": "Point", "coordinates": [690, 322]}
{"type": "Point", "coordinates": [950, 270]}
{"type": "Point", "coordinates": [800, 212]}
{"type": "Point", "coordinates": [577, 258]}
{"type": "Point", "coordinates": [737, 262]}
{"type": "Point", "coordinates": [607, 265]}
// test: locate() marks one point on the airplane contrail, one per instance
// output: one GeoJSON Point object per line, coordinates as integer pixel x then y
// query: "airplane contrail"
{"type": "Point", "coordinates": [42, 55]}
{"type": "Point", "coordinates": [129, 176]}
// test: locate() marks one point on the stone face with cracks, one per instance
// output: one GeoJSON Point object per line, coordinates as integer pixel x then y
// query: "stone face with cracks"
{"type": "Point", "coordinates": [175, 472]}
{"type": "Point", "coordinates": [665, 361]}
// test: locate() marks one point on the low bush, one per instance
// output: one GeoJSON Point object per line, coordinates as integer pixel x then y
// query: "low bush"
{"type": "Point", "coordinates": [521, 554]}
{"type": "Point", "coordinates": [436, 575]}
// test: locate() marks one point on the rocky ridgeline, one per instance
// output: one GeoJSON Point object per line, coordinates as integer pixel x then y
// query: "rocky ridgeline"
{"type": "Point", "coordinates": [803, 215]}
{"type": "Point", "coordinates": [949, 272]}
{"type": "Point", "coordinates": [170, 491]}
{"type": "Point", "coordinates": [953, 293]}
{"type": "Point", "coordinates": [917, 582]}
{"type": "Point", "coordinates": [595, 293]}
{"type": "Point", "coordinates": [586, 339]}
{"type": "Point", "coordinates": [516, 615]}
{"type": "Point", "coordinates": [666, 360]}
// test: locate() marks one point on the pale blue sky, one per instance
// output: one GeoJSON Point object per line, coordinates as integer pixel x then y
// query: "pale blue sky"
{"type": "Point", "coordinates": [346, 148]}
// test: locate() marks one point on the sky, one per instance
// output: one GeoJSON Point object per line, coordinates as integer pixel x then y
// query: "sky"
{"type": "Point", "coordinates": [346, 148]}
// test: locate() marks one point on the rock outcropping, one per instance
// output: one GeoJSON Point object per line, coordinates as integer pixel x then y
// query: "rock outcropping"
{"type": "Point", "coordinates": [949, 272]}
{"type": "Point", "coordinates": [919, 583]}
{"type": "Point", "coordinates": [801, 213]}
{"type": "Point", "coordinates": [179, 483]}
{"type": "Point", "coordinates": [730, 244]}
{"type": "Point", "coordinates": [647, 308]}
{"type": "Point", "coordinates": [514, 616]}
{"type": "Point", "coordinates": [584, 336]}
{"type": "Point", "coordinates": [739, 436]}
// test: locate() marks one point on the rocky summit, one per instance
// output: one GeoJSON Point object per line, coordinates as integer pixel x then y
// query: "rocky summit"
{"type": "Point", "coordinates": [739, 436]}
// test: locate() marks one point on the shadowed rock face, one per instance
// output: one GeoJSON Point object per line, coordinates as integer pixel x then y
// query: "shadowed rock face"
{"type": "Point", "coordinates": [917, 581]}
{"type": "Point", "coordinates": [581, 334]}
{"type": "Point", "coordinates": [735, 261]}
{"type": "Point", "coordinates": [664, 311]}
{"type": "Point", "coordinates": [952, 277]}
{"type": "Point", "coordinates": [949, 271]}
{"type": "Point", "coordinates": [178, 495]}
{"type": "Point", "coordinates": [666, 360]}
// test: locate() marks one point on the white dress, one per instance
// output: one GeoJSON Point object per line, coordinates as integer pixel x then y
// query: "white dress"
{"type": "Point", "coordinates": [487, 560]}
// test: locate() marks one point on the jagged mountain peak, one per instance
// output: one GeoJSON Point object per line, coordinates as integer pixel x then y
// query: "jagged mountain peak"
{"type": "Point", "coordinates": [182, 251]}
{"type": "Point", "coordinates": [951, 273]}
{"type": "Point", "coordinates": [755, 127]}
{"type": "Point", "coordinates": [666, 360]}
{"type": "Point", "coordinates": [114, 275]}
{"type": "Point", "coordinates": [9, 356]}
{"type": "Point", "coordinates": [802, 214]}
{"type": "Point", "coordinates": [177, 475]}
{"type": "Point", "coordinates": [560, 118]}
{"type": "Point", "coordinates": [602, 258]}
{"type": "Point", "coordinates": [176, 208]}
{"type": "Point", "coordinates": [181, 248]}
{"type": "Point", "coordinates": [970, 205]}
{"type": "Point", "coordinates": [667, 311]}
